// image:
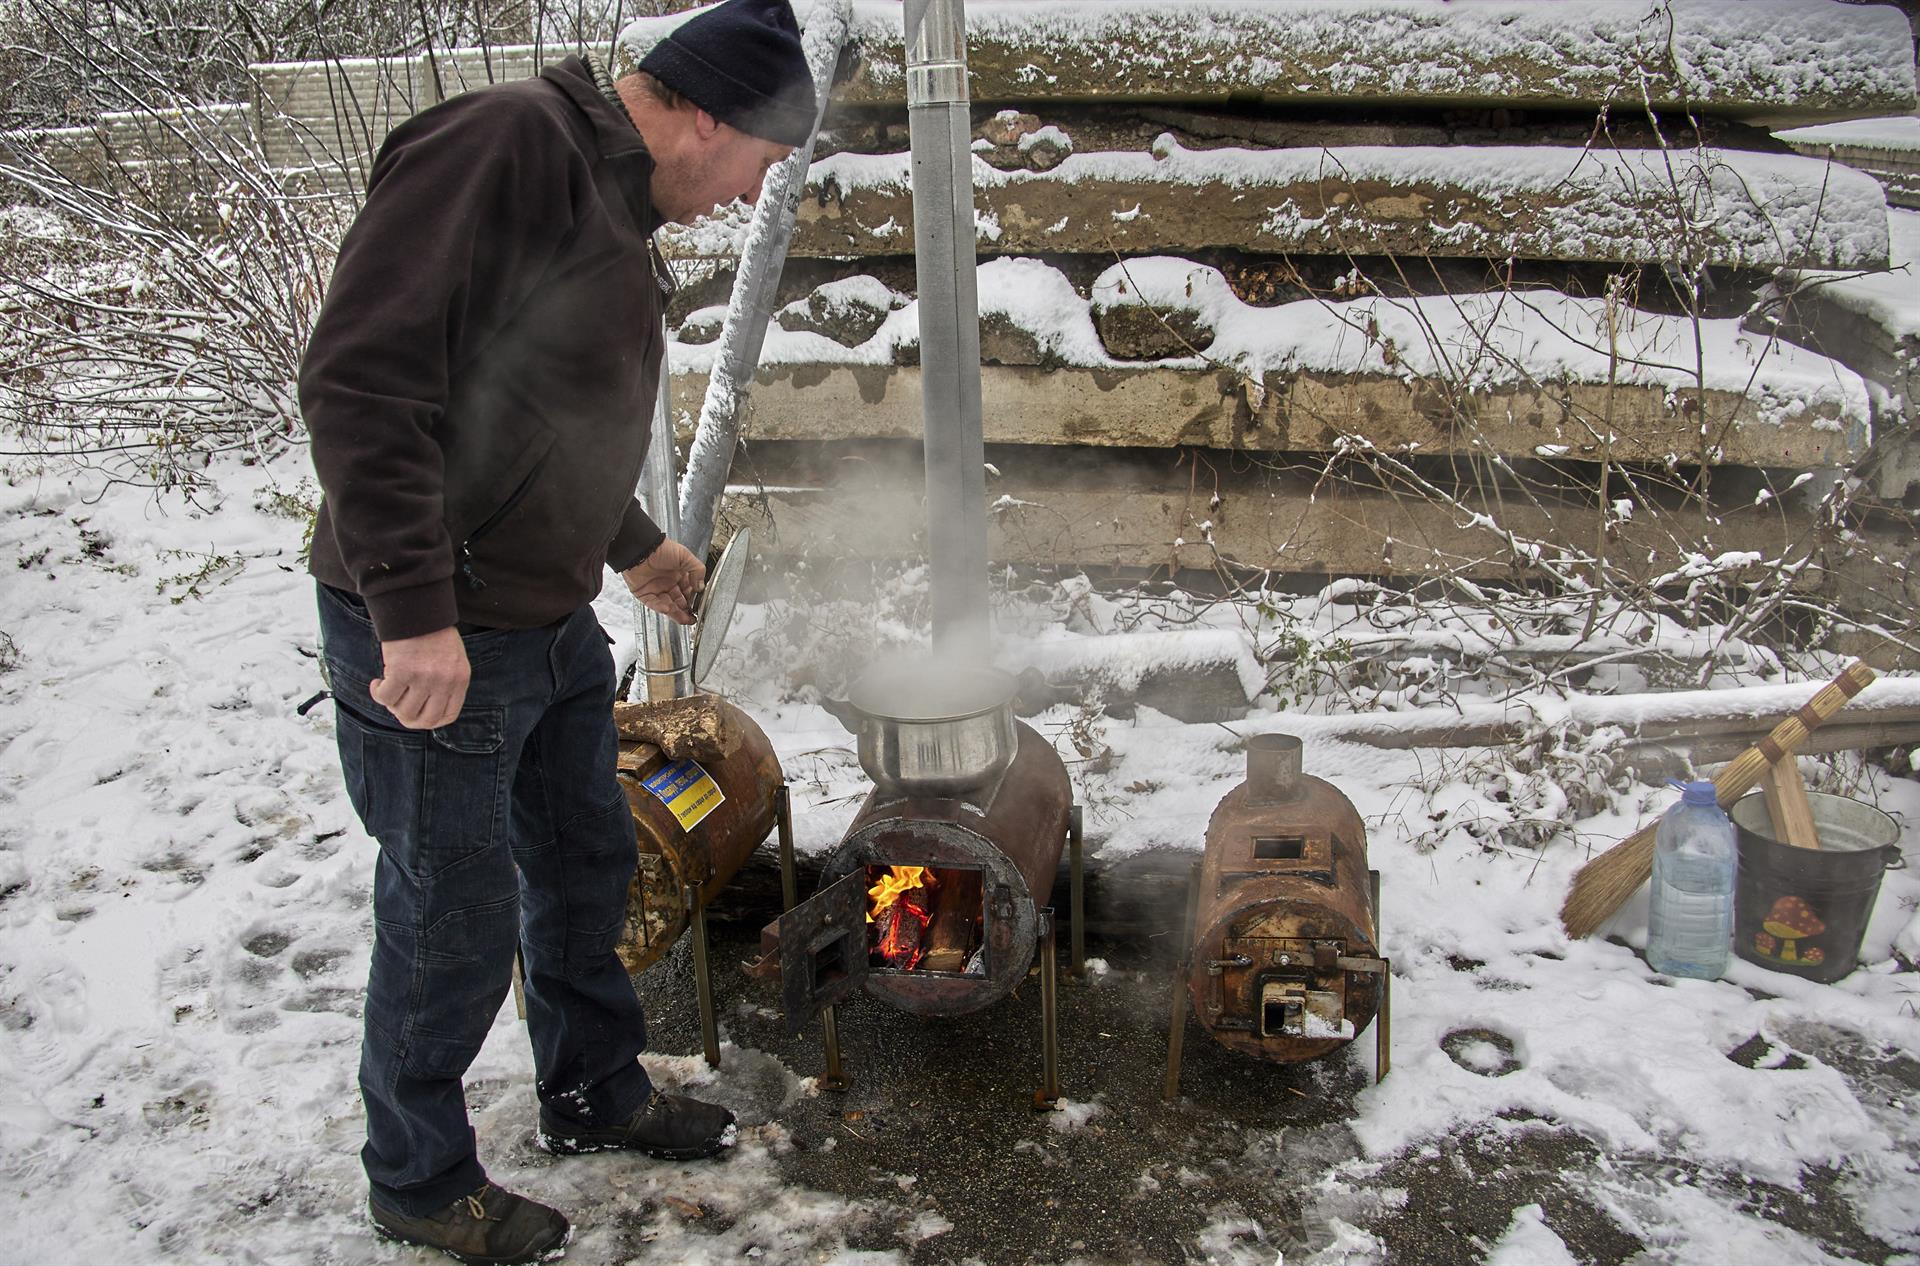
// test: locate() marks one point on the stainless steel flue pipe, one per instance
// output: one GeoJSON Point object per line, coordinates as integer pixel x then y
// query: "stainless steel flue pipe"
{"type": "Point", "coordinates": [940, 131]}
{"type": "Point", "coordinates": [666, 657]}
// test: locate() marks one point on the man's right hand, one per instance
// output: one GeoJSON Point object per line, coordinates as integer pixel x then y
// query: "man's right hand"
{"type": "Point", "coordinates": [423, 679]}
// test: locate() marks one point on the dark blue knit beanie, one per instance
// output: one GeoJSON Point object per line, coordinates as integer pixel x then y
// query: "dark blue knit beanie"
{"type": "Point", "coordinates": [740, 61]}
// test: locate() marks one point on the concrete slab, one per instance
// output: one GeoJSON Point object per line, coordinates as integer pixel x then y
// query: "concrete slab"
{"type": "Point", "coordinates": [1156, 407]}
{"type": "Point", "coordinates": [1743, 209]}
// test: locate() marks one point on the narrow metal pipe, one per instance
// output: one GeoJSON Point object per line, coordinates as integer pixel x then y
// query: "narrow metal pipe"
{"type": "Point", "coordinates": [1383, 1031]}
{"type": "Point", "coordinates": [834, 1078]}
{"type": "Point", "coordinates": [666, 665]}
{"type": "Point", "coordinates": [1177, 1031]}
{"type": "Point", "coordinates": [783, 818]}
{"type": "Point", "coordinates": [1075, 837]}
{"type": "Point", "coordinates": [1383, 1022]}
{"type": "Point", "coordinates": [702, 974]}
{"type": "Point", "coordinates": [940, 135]}
{"type": "Point", "coordinates": [1049, 1014]}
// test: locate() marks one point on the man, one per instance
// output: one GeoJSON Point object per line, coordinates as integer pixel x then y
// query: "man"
{"type": "Point", "coordinates": [478, 389]}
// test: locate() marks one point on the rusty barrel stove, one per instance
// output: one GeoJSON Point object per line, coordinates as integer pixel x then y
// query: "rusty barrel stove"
{"type": "Point", "coordinates": [735, 753]}
{"type": "Point", "coordinates": [683, 866]}
{"type": "Point", "coordinates": [936, 899]}
{"type": "Point", "coordinates": [1283, 961]}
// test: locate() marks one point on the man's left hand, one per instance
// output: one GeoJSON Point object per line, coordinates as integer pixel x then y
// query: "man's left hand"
{"type": "Point", "coordinates": [667, 580]}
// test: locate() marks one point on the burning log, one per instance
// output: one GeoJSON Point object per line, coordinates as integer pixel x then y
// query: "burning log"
{"type": "Point", "coordinates": [899, 913]}
{"type": "Point", "coordinates": [953, 930]}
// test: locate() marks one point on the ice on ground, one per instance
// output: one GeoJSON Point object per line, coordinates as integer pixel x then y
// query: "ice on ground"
{"type": "Point", "coordinates": [1530, 1242]}
{"type": "Point", "coordinates": [1069, 1117]}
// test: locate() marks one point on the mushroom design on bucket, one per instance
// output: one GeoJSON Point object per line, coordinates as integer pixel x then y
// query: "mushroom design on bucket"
{"type": "Point", "coordinates": [1790, 921]}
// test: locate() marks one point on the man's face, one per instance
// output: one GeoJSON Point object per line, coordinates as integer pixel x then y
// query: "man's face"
{"type": "Point", "coordinates": [721, 164]}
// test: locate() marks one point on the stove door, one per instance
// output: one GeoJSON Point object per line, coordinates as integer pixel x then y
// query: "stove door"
{"type": "Point", "coordinates": [823, 949]}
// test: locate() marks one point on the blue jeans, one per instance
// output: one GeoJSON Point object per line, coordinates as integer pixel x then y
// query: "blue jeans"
{"type": "Point", "coordinates": [505, 827]}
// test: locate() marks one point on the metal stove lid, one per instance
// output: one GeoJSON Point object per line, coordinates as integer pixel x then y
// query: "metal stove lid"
{"type": "Point", "coordinates": [717, 603]}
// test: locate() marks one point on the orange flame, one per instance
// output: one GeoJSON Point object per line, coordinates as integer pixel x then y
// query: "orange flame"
{"type": "Point", "coordinates": [899, 920]}
{"type": "Point", "coordinates": [900, 879]}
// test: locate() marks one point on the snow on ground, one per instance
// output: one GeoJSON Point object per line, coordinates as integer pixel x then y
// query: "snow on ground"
{"type": "Point", "coordinates": [184, 931]}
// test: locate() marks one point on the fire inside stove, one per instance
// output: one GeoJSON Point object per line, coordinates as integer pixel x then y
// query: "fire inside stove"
{"type": "Point", "coordinates": [926, 919]}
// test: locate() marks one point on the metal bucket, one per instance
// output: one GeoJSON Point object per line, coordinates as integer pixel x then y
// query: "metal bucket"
{"type": "Point", "coordinates": [1803, 910]}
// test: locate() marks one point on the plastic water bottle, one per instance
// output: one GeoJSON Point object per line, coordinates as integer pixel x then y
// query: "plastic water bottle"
{"type": "Point", "coordinates": [1693, 871]}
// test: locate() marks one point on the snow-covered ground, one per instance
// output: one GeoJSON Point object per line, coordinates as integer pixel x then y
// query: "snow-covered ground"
{"type": "Point", "coordinates": [184, 930]}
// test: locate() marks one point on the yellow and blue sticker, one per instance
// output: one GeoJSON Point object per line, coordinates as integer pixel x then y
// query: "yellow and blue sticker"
{"type": "Point", "coordinates": [688, 791]}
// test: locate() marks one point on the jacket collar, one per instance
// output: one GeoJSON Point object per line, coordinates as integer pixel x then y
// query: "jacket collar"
{"type": "Point", "coordinates": [619, 140]}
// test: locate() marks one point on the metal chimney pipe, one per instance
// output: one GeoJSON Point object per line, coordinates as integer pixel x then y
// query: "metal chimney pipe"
{"type": "Point", "coordinates": [666, 660]}
{"type": "Point", "coordinates": [940, 132]}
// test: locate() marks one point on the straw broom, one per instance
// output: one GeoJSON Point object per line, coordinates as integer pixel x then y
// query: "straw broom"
{"type": "Point", "coordinates": [1603, 885]}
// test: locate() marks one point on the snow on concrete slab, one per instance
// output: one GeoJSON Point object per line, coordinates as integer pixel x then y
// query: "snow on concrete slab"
{"type": "Point", "coordinates": [1899, 133]}
{"type": "Point", "coordinates": [1529, 1241]}
{"type": "Point", "coordinates": [1533, 202]}
{"type": "Point", "coordinates": [1478, 341]}
{"type": "Point", "coordinates": [1890, 299]}
{"type": "Point", "coordinates": [1784, 58]}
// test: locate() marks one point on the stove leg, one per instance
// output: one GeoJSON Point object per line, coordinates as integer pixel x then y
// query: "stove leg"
{"type": "Point", "coordinates": [1047, 1097]}
{"type": "Point", "coordinates": [1383, 1023]}
{"type": "Point", "coordinates": [834, 1078]}
{"type": "Point", "coordinates": [783, 818]}
{"type": "Point", "coordinates": [1383, 1026]}
{"type": "Point", "coordinates": [1078, 967]}
{"type": "Point", "coordinates": [1177, 1027]}
{"type": "Point", "coordinates": [702, 974]}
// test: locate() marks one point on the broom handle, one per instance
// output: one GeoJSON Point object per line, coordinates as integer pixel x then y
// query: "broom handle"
{"type": "Point", "coordinates": [1744, 772]}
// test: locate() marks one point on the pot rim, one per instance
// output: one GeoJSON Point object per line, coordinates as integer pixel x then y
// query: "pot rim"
{"type": "Point", "coordinates": [859, 697]}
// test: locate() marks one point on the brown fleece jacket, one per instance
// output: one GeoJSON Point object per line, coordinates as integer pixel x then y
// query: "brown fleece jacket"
{"type": "Point", "coordinates": [480, 380]}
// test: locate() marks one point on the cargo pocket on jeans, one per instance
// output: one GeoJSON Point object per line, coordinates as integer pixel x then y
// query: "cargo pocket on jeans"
{"type": "Point", "coordinates": [385, 773]}
{"type": "Point", "coordinates": [431, 797]}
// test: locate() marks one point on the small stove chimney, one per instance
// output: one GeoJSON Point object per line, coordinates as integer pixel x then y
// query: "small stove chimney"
{"type": "Point", "coordinates": [1273, 769]}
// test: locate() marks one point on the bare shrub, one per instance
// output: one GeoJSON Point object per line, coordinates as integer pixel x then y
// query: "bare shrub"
{"type": "Point", "coordinates": [158, 315]}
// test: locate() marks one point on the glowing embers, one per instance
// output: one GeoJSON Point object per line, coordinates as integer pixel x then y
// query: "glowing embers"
{"type": "Point", "coordinates": [926, 920]}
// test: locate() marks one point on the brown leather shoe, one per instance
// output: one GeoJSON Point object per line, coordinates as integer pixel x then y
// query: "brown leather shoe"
{"type": "Point", "coordinates": [491, 1227]}
{"type": "Point", "coordinates": [671, 1127]}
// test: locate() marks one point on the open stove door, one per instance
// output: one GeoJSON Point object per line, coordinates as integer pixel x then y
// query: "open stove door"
{"type": "Point", "coordinates": [823, 950]}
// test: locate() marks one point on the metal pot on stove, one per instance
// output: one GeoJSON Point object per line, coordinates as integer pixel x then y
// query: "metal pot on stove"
{"type": "Point", "coordinates": [931, 729]}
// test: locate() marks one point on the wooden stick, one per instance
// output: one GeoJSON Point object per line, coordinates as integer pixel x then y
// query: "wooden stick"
{"type": "Point", "coordinates": [1603, 885]}
{"type": "Point", "coordinates": [1788, 806]}
{"type": "Point", "coordinates": [955, 916]}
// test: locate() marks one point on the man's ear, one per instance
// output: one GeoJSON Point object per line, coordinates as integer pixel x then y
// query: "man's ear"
{"type": "Point", "coordinates": [705, 126]}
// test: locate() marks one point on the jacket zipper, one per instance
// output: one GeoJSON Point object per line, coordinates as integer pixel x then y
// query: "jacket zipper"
{"type": "Point", "coordinates": [467, 572]}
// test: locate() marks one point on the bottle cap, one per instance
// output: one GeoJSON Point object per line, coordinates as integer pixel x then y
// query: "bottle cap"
{"type": "Point", "coordinates": [1702, 792]}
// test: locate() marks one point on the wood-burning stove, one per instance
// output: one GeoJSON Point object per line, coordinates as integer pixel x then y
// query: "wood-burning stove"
{"type": "Point", "coordinates": [1283, 960]}
{"type": "Point", "coordinates": [938, 905]}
